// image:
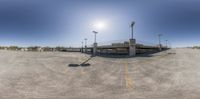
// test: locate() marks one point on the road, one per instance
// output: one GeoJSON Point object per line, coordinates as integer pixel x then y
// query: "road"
{"type": "Point", "coordinates": [171, 74]}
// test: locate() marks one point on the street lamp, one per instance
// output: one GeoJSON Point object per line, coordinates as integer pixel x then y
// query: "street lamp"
{"type": "Point", "coordinates": [85, 45]}
{"type": "Point", "coordinates": [95, 36]}
{"type": "Point", "coordinates": [82, 44]}
{"type": "Point", "coordinates": [82, 47]}
{"type": "Point", "coordinates": [95, 43]}
{"type": "Point", "coordinates": [132, 24]}
{"type": "Point", "coordinates": [85, 42]}
{"type": "Point", "coordinates": [166, 42]}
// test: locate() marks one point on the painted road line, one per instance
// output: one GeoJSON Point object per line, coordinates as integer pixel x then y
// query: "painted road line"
{"type": "Point", "coordinates": [128, 80]}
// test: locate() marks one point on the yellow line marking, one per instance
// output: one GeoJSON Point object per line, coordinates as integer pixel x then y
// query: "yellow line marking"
{"type": "Point", "coordinates": [128, 80]}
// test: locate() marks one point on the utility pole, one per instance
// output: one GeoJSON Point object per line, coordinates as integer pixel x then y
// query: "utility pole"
{"type": "Point", "coordinates": [132, 24]}
{"type": "Point", "coordinates": [95, 43]}
{"type": "Point", "coordinates": [85, 42]}
{"type": "Point", "coordinates": [94, 36]}
{"type": "Point", "coordinates": [82, 47]}
{"type": "Point", "coordinates": [85, 45]}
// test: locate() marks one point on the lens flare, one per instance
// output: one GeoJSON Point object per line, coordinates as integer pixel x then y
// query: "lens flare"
{"type": "Point", "coordinates": [100, 25]}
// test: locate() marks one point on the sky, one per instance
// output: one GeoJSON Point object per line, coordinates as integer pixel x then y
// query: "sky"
{"type": "Point", "coordinates": [68, 22]}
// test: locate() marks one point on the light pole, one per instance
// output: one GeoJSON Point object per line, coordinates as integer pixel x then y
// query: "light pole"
{"type": "Point", "coordinates": [132, 42]}
{"type": "Point", "coordinates": [85, 45]}
{"type": "Point", "coordinates": [85, 42]}
{"type": "Point", "coordinates": [82, 47]}
{"type": "Point", "coordinates": [132, 24]}
{"type": "Point", "coordinates": [95, 43]}
{"type": "Point", "coordinates": [95, 33]}
{"type": "Point", "coordinates": [166, 42]}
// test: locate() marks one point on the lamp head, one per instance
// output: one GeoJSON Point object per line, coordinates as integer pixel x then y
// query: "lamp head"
{"type": "Point", "coordinates": [94, 32]}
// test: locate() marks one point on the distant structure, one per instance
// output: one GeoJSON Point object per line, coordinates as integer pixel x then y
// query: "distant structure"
{"type": "Point", "coordinates": [85, 45]}
{"type": "Point", "coordinates": [131, 44]}
{"type": "Point", "coordinates": [82, 47]}
{"type": "Point", "coordinates": [24, 49]}
{"type": "Point", "coordinates": [128, 47]}
{"type": "Point", "coordinates": [95, 43]}
{"type": "Point", "coordinates": [159, 40]}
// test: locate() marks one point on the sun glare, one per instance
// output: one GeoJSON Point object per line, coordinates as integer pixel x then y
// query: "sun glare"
{"type": "Point", "coordinates": [100, 25]}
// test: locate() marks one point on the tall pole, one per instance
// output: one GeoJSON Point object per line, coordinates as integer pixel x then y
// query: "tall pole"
{"type": "Point", "coordinates": [82, 47]}
{"type": "Point", "coordinates": [132, 24]}
{"type": "Point", "coordinates": [95, 43]}
{"type": "Point", "coordinates": [132, 42]}
{"type": "Point", "coordinates": [166, 42]}
{"type": "Point", "coordinates": [95, 36]}
{"type": "Point", "coordinates": [85, 45]}
{"type": "Point", "coordinates": [85, 42]}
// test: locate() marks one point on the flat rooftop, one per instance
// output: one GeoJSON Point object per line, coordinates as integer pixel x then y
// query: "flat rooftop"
{"type": "Point", "coordinates": [171, 74]}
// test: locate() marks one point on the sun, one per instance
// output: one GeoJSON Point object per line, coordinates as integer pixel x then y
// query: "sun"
{"type": "Point", "coordinates": [100, 25]}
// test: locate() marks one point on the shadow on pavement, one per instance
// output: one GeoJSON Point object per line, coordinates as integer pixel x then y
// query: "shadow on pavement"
{"type": "Point", "coordinates": [73, 65]}
{"type": "Point", "coordinates": [83, 64]}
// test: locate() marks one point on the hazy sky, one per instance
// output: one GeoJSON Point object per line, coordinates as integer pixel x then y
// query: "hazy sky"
{"type": "Point", "coordinates": [68, 22]}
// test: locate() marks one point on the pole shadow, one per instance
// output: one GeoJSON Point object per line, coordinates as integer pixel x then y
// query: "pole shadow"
{"type": "Point", "coordinates": [83, 64]}
{"type": "Point", "coordinates": [73, 65]}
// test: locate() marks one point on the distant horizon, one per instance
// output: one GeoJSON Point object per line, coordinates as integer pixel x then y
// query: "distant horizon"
{"type": "Point", "coordinates": [81, 46]}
